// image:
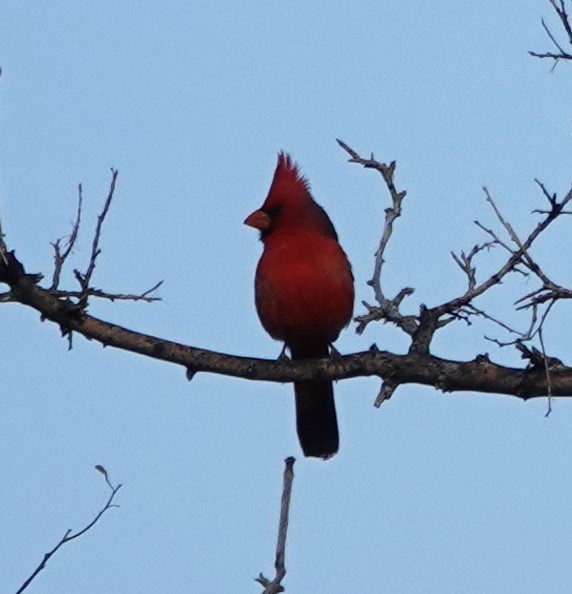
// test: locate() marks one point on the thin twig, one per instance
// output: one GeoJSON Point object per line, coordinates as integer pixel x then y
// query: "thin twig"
{"type": "Point", "coordinates": [70, 535]}
{"type": "Point", "coordinates": [465, 261]}
{"type": "Point", "coordinates": [535, 329]}
{"type": "Point", "coordinates": [275, 586]}
{"type": "Point", "coordinates": [543, 295]}
{"type": "Point", "coordinates": [563, 16]}
{"type": "Point", "coordinates": [85, 278]}
{"type": "Point", "coordinates": [472, 310]}
{"type": "Point", "coordinates": [145, 296]}
{"type": "Point", "coordinates": [560, 9]}
{"type": "Point", "coordinates": [431, 319]}
{"type": "Point", "coordinates": [59, 256]}
{"type": "Point", "coordinates": [526, 258]}
{"type": "Point", "coordinates": [508, 266]}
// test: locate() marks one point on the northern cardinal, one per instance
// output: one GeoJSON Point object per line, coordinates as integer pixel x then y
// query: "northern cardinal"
{"type": "Point", "coordinates": [304, 293]}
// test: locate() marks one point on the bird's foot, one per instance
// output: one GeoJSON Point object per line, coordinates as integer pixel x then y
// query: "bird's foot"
{"type": "Point", "coordinates": [283, 356]}
{"type": "Point", "coordinates": [334, 353]}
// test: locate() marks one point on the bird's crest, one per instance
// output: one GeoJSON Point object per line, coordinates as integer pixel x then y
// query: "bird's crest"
{"type": "Point", "coordinates": [288, 181]}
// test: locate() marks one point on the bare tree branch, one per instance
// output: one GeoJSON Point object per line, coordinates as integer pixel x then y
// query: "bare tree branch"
{"type": "Point", "coordinates": [66, 308]}
{"type": "Point", "coordinates": [422, 328]}
{"type": "Point", "coordinates": [526, 259]}
{"type": "Point", "coordinates": [519, 255]}
{"type": "Point", "coordinates": [465, 261]}
{"type": "Point", "coordinates": [145, 296]}
{"type": "Point", "coordinates": [70, 535]}
{"type": "Point", "coordinates": [480, 375]}
{"type": "Point", "coordinates": [275, 586]}
{"type": "Point", "coordinates": [543, 295]}
{"type": "Point", "coordinates": [61, 255]}
{"type": "Point", "coordinates": [418, 366]}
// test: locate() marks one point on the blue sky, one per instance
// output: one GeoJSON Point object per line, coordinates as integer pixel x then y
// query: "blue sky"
{"type": "Point", "coordinates": [190, 102]}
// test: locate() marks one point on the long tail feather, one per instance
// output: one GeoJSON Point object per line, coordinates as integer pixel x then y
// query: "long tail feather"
{"type": "Point", "coordinates": [316, 420]}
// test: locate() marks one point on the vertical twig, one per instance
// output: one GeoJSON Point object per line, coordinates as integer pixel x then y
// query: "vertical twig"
{"type": "Point", "coordinates": [387, 309]}
{"type": "Point", "coordinates": [61, 256]}
{"type": "Point", "coordinates": [275, 586]}
{"type": "Point", "coordinates": [547, 371]}
{"type": "Point", "coordinates": [85, 279]}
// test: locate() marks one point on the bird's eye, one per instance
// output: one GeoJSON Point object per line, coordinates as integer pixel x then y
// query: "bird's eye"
{"type": "Point", "coordinates": [274, 211]}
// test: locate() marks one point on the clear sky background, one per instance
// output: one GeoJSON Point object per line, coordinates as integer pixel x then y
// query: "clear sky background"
{"type": "Point", "coordinates": [431, 494]}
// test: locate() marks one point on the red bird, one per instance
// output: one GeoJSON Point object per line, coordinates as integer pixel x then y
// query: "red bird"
{"type": "Point", "coordinates": [304, 293]}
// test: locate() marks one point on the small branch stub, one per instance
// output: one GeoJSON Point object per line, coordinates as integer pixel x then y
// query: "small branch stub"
{"type": "Point", "coordinates": [385, 393]}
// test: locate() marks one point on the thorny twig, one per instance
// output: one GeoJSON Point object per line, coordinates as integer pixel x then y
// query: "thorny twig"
{"type": "Point", "coordinates": [387, 309]}
{"type": "Point", "coordinates": [525, 256]}
{"type": "Point", "coordinates": [549, 290]}
{"type": "Point", "coordinates": [145, 296]}
{"type": "Point", "coordinates": [543, 295]}
{"type": "Point", "coordinates": [70, 535]}
{"type": "Point", "coordinates": [465, 261]}
{"type": "Point", "coordinates": [423, 327]}
{"type": "Point", "coordinates": [518, 256]}
{"type": "Point", "coordinates": [275, 586]}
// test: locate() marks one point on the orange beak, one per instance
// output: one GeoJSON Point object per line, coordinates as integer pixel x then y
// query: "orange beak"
{"type": "Point", "coordinates": [258, 219]}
